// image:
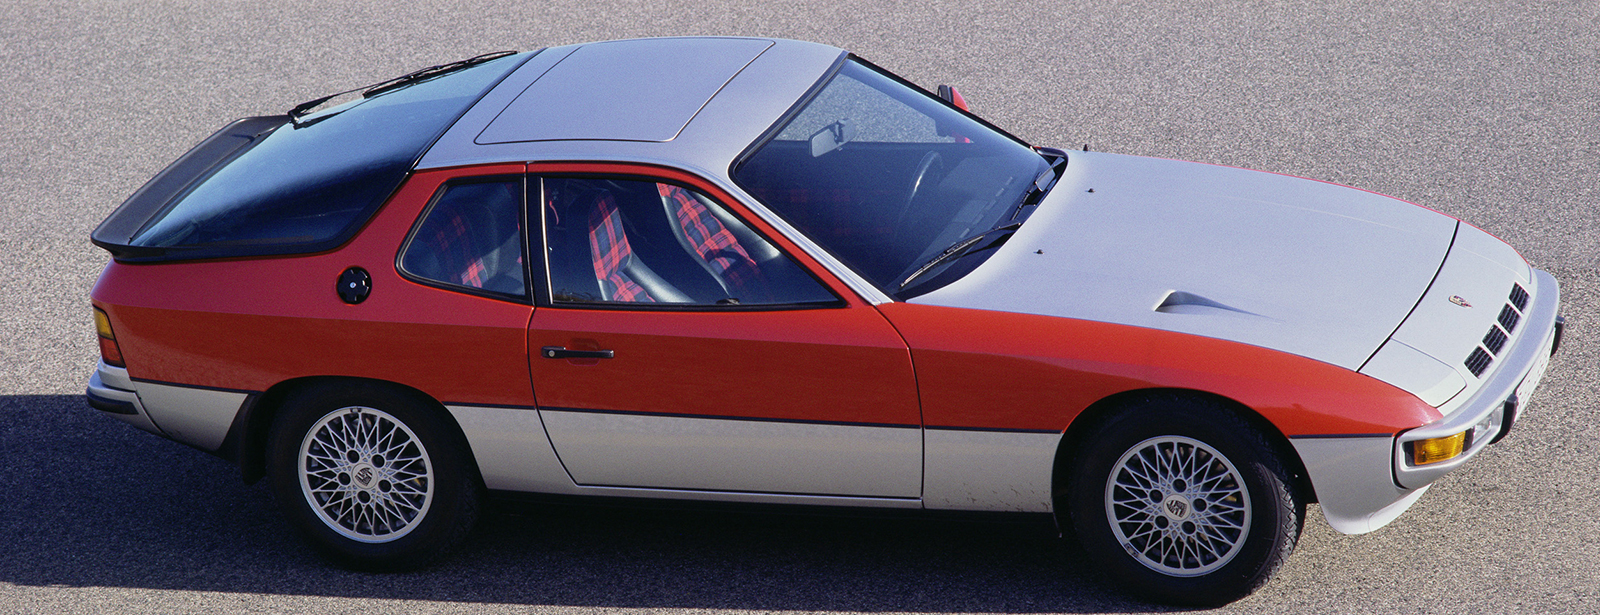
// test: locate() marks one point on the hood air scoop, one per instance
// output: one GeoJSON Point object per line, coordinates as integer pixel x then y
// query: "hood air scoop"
{"type": "Point", "coordinates": [1179, 302]}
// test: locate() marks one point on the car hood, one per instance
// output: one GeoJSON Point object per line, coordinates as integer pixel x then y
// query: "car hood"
{"type": "Point", "coordinates": [1306, 267]}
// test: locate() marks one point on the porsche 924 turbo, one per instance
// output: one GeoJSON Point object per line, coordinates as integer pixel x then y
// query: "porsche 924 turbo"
{"type": "Point", "coordinates": [767, 271]}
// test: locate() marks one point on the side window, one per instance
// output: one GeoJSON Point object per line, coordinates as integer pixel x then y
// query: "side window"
{"type": "Point", "coordinates": [641, 242]}
{"type": "Point", "coordinates": [471, 236]}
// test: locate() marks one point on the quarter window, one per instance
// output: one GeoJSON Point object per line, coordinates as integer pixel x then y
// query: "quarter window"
{"type": "Point", "coordinates": [471, 237]}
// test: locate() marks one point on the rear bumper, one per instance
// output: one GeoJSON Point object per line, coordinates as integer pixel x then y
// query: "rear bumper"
{"type": "Point", "coordinates": [199, 417]}
{"type": "Point", "coordinates": [111, 391]}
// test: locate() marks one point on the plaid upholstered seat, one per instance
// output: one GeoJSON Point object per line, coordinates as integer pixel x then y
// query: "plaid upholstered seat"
{"type": "Point", "coordinates": [715, 245]}
{"type": "Point", "coordinates": [608, 245]}
{"type": "Point", "coordinates": [471, 238]}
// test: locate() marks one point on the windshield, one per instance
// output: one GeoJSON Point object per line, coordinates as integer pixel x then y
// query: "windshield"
{"type": "Point", "coordinates": [886, 177]}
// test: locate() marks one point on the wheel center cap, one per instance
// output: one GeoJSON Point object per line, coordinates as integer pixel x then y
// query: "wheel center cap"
{"type": "Point", "coordinates": [364, 475]}
{"type": "Point", "coordinates": [1176, 507]}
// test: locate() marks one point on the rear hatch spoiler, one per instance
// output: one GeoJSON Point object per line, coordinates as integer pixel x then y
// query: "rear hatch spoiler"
{"type": "Point", "coordinates": [118, 229]}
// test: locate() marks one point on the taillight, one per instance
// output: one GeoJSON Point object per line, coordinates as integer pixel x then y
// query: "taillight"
{"type": "Point", "coordinates": [109, 351]}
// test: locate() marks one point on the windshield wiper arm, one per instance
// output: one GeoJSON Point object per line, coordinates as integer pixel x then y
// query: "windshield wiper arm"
{"type": "Point", "coordinates": [368, 91]}
{"type": "Point", "coordinates": [431, 71]}
{"type": "Point", "coordinates": [956, 249]}
{"type": "Point", "coordinates": [1043, 183]}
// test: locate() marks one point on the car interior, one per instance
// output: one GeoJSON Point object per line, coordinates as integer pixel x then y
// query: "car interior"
{"type": "Point", "coordinates": [631, 241]}
{"type": "Point", "coordinates": [471, 237]}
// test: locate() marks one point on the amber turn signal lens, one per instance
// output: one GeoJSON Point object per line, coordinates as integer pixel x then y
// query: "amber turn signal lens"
{"type": "Point", "coordinates": [102, 324]}
{"type": "Point", "coordinates": [110, 352]}
{"type": "Point", "coordinates": [1435, 450]}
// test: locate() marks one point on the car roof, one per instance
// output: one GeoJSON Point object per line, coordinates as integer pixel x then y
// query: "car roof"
{"type": "Point", "coordinates": [690, 102]}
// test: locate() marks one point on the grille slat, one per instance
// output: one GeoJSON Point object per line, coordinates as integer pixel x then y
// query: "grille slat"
{"type": "Point", "coordinates": [1495, 340]}
{"type": "Point", "coordinates": [1478, 361]}
{"type": "Point", "coordinates": [1519, 297]}
{"type": "Point", "coordinates": [1508, 318]}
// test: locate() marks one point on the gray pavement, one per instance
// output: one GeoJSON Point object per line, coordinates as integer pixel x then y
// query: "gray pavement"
{"type": "Point", "coordinates": [1487, 111]}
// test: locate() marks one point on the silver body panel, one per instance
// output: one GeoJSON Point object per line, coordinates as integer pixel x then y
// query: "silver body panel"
{"type": "Point", "coordinates": [631, 450]}
{"type": "Point", "coordinates": [514, 454]}
{"type": "Point", "coordinates": [1355, 482]}
{"type": "Point", "coordinates": [1479, 272]}
{"type": "Point", "coordinates": [511, 448]}
{"type": "Point", "coordinates": [965, 470]}
{"type": "Point", "coordinates": [113, 383]}
{"type": "Point", "coordinates": [749, 497]}
{"type": "Point", "coordinates": [743, 109]}
{"type": "Point", "coordinates": [1430, 379]}
{"type": "Point", "coordinates": [197, 417]}
{"type": "Point", "coordinates": [1309, 268]}
{"type": "Point", "coordinates": [641, 90]}
{"type": "Point", "coordinates": [989, 470]}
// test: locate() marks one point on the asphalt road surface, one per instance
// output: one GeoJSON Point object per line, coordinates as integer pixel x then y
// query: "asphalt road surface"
{"type": "Point", "coordinates": [1489, 112]}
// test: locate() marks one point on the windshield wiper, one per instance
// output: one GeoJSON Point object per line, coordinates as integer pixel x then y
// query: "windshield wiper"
{"type": "Point", "coordinates": [957, 249]}
{"type": "Point", "coordinates": [432, 71]}
{"type": "Point", "coordinates": [368, 91]}
{"type": "Point", "coordinates": [1044, 182]}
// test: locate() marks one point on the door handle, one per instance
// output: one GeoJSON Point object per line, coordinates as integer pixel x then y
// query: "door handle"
{"type": "Point", "coordinates": [561, 352]}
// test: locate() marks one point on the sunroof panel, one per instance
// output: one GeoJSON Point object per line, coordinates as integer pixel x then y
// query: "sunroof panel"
{"type": "Point", "coordinates": [639, 90]}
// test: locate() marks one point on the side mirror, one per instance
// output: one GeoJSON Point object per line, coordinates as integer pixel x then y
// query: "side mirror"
{"type": "Point", "coordinates": [953, 96]}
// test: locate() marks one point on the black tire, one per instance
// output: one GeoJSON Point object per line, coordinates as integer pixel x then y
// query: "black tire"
{"type": "Point", "coordinates": [1175, 539]}
{"type": "Point", "coordinates": [373, 477]}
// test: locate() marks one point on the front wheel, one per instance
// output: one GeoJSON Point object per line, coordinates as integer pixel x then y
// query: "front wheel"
{"type": "Point", "coordinates": [1184, 502]}
{"type": "Point", "coordinates": [373, 477]}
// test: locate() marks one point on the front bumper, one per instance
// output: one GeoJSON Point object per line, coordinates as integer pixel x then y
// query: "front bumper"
{"type": "Point", "coordinates": [1490, 412]}
{"type": "Point", "coordinates": [1363, 482]}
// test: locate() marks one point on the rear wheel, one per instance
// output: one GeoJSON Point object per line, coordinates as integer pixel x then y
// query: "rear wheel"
{"type": "Point", "coordinates": [373, 477]}
{"type": "Point", "coordinates": [1183, 502]}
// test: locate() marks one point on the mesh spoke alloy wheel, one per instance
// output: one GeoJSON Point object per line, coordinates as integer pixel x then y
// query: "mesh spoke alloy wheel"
{"type": "Point", "coordinates": [1178, 506]}
{"type": "Point", "coordinates": [366, 474]}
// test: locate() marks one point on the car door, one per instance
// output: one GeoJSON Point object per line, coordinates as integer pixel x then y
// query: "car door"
{"type": "Point", "coordinates": [676, 347]}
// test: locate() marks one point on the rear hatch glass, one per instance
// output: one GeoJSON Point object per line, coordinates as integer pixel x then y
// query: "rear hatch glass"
{"type": "Point", "coordinates": [293, 187]}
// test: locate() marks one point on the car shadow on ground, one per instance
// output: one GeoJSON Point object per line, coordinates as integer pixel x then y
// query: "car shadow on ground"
{"type": "Point", "coordinates": [91, 502]}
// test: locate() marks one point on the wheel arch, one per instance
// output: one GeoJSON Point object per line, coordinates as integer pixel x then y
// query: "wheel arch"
{"type": "Point", "coordinates": [1102, 410]}
{"type": "Point", "coordinates": [254, 426]}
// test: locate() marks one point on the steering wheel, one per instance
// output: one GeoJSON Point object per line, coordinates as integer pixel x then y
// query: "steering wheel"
{"type": "Point", "coordinates": [924, 168]}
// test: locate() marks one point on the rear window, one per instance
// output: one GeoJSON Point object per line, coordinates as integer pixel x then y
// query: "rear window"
{"type": "Point", "coordinates": [308, 187]}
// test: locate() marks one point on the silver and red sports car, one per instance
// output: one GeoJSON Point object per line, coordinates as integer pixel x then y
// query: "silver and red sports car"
{"type": "Point", "coordinates": [767, 271]}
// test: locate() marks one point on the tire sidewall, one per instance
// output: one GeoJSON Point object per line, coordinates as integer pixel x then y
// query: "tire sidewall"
{"type": "Point", "coordinates": [451, 512]}
{"type": "Point", "coordinates": [1274, 514]}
